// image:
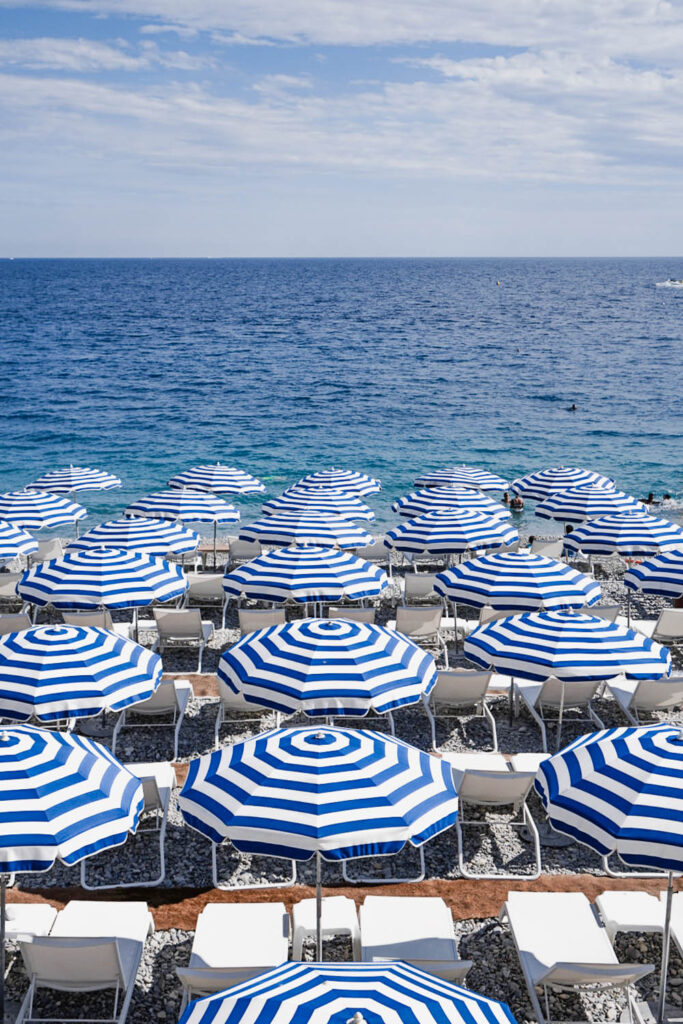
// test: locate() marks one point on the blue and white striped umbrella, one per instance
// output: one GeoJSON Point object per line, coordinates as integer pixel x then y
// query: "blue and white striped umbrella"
{"type": "Point", "coordinates": [662, 575]}
{"type": "Point", "coordinates": [541, 484]}
{"type": "Point", "coordinates": [344, 479]}
{"type": "Point", "coordinates": [321, 528]}
{"type": "Point", "coordinates": [62, 797]}
{"type": "Point", "coordinates": [625, 533]}
{"type": "Point", "coordinates": [219, 479]}
{"type": "Point", "coordinates": [305, 574]}
{"type": "Point", "coordinates": [537, 645]}
{"type": "Point", "coordinates": [517, 581]}
{"type": "Point", "coordinates": [57, 672]}
{"type": "Point", "coordinates": [102, 578]}
{"type": "Point", "coordinates": [621, 791]}
{"type": "Point", "coordinates": [38, 510]}
{"type": "Point", "coordinates": [449, 531]}
{"type": "Point", "coordinates": [187, 506]}
{"type": "Point", "coordinates": [589, 501]}
{"type": "Point", "coordinates": [392, 992]}
{"type": "Point", "coordinates": [341, 793]}
{"type": "Point", "coordinates": [15, 542]}
{"type": "Point", "coordinates": [328, 667]}
{"type": "Point", "coordinates": [75, 478]}
{"type": "Point", "coordinates": [152, 536]}
{"type": "Point", "coordinates": [462, 476]}
{"type": "Point", "coordinates": [319, 499]}
{"type": "Point", "coordinates": [430, 499]}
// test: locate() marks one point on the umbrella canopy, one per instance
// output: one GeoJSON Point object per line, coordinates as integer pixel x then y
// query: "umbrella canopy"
{"type": "Point", "coordinates": [625, 533]}
{"type": "Point", "coordinates": [328, 667]}
{"type": "Point", "coordinates": [462, 476]}
{"type": "Point", "coordinates": [152, 536]}
{"type": "Point", "coordinates": [589, 501]}
{"type": "Point", "coordinates": [431, 499]}
{"type": "Point", "coordinates": [38, 510]}
{"type": "Point", "coordinates": [393, 992]}
{"type": "Point", "coordinates": [517, 581]}
{"type": "Point", "coordinates": [449, 531]}
{"type": "Point", "coordinates": [57, 672]}
{"type": "Point", "coordinates": [219, 479]}
{"type": "Point", "coordinates": [537, 645]}
{"type": "Point", "coordinates": [341, 792]}
{"type": "Point", "coordinates": [62, 797]}
{"type": "Point", "coordinates": [15, 542]}
{"type": "Point", "coordinates": [662, 575]}
{"type": "Point", "coordinates": [344, 479]}
{"type": "Point", "coordinates": [321, 528]}
{"type": "Point", "coordinates": [339, 503]}
{"type": "Point", "coordinates": [102, 578]}
{"type": "Point", "coordinates": [621, 791]}
{"type": "Point", "coordinates": [186, 505]}
{"type": "Point", "coordinates": [541, 484]}
{"type": "Point", "coordinates": [304, 574]}
{"type": "Point", "coordinates": [75, 478]}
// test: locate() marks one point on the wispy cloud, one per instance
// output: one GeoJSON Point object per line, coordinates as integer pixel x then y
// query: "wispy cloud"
{"type": "Point", "coordinates": [87, 55]}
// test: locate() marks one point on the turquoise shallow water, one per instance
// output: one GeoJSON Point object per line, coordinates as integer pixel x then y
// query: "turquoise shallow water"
{"type": "Point", "coordinates": [145, 367]}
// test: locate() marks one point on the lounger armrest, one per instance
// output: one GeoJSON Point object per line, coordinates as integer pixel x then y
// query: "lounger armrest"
{"type": "Point", "coordinates": [447, 970]}
{"type": "Point", "coordinates": [215, 979]}
{"type": "Point", "coordinates": [571, 975]}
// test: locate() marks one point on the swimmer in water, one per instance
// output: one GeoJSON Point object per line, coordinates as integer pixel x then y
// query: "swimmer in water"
{"type": "Point", "coordinates": [516, 503]}
{"type": "Point", "coordinates": [573, 407]}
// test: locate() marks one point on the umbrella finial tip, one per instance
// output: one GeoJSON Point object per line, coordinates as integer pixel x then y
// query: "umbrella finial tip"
{"type": "Point", "coordinates": [357, 1018]}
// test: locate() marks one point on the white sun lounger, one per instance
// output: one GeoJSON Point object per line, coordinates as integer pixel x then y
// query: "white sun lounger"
{"type": "Point", "coordinates": [24, 920]}
{"type": "Point", "coordinates": [460, 688]}
{"type": "Point", "coordinates": [92, 946]}
{"type": "Point", "coordinates": [232, 707]}
{"type": "Point", "coordinates": [170, 698]}
{"type": "Point", "coordinates": [232, 943]}
{"type": "Point", "coordinates": [561, 944]}
{"type": "Point", "coordinates": [555, 695]}
{"type": "Point", "coordinates": [418, 929]}
{"type": "Point", "coordinates": [630, 911]}
{"type": "Point", "coordinates": [646, 695]}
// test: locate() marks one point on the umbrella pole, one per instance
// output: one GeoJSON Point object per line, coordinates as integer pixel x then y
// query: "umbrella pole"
{"type": "Point", "coordinates": [3, 883]}
{"type": "Point", "coordinates": [628, 608]}
{"type": "Point", "coordinates": [318, 909]}
{"type": "Point", "coordinates": [215, 556]}
{"type": "Point", "coordinates": [666, 942]}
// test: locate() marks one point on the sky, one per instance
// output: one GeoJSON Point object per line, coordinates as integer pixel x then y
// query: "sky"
{"type": "Point", "coordinates": [341, 128]}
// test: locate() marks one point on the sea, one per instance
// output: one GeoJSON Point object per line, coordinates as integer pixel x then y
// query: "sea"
{"type": "Point", "coordinates": [145, 367]}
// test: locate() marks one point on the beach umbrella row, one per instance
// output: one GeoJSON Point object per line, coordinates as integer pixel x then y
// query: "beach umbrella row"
{"type": "Point", "coordinates": [328, 667]}
{"type": "Point", "coordinates": [589, 501]}
{"type": "Point", "coordinates": [517, 581]}
{"type": "Point", "coordinates": [305, 574]}
{"type": "Point", "coordinates": [344, 479]}
{"type": "Point", "coordinates": [15, 542]}
{"type": "Point", "coordinates": [75, 478]}
{"type": "Point", "coordinates": [462, 476]}
{"type": "Point", "coordinates": [39, 510]}
{"type": "Point", "coordinates": [53, 673]}
{"type": "Point", "coordinates": [391, 992]}
{"type": "Point", "coordinates": [450, 531]}
{"type": "Point", "coordinates": [218, 479]}
{"type": "Point", "coordinates": [431, 498]}
{"type": "Point", "coordinates": [148, 536]}
{"type": "Point", "coordinates": [319, 528]}
{"type": "Point", "coordinates": [339, 503]}
{"type": "Point", "coordinates": [625, 533]}
{"type": "Point", "coordinates": [543, 483]}
{"type": "Point", "coordinates": [662, 576]}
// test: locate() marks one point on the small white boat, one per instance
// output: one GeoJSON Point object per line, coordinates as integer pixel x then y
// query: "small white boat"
{"type": "Point", "coordinates": [671, 282]}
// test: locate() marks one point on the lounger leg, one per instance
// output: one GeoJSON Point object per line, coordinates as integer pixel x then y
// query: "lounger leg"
{"type": "Point", "coordinates": [217, 884]}
{"type": "Point", "coordinates": [431, 718]}
{"type": "Point", "coordinates": [488, 715]}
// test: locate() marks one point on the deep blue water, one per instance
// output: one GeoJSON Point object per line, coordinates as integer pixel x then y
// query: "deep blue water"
{"type": "Point", "coordinates": [145, 367]}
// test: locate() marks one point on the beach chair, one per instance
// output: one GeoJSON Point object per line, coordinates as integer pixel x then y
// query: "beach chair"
{"type": "Point", "coordinates": [630, 911]}
{"type": "Point", "coordinates": [667, 630]}
{"type": "Point", "coordinates": [251, 619]}
{"type": "Point", "coordinates": [486, 614]}
{"type": "Point", "coordinates": [486, 780]}
{"type": "Point", "coordinates": [422, 625]}
{"type": "Point", "coordinates": [638, 696]}
{"type": "Point", "coordinates": [376, 553]}
{"type": "Point", "coordinates": [169, 700]}
{"type": "Point", "coordinates": [158, 780]}
{"type": "Point", "coordinates": [47, 549]}
{"type": "Point", "coordinates": [99, 620]}
{"type": "Point", "coordinates": [339, 917]}
{"type": "Point", "coordinates": [549, 548]}
{"type": "Point", "coordinates": [354, 613]}
{"type": "Point", "coordinates": [418, 929]}
{"type": "Point", "coordinates": [24, 921]}
{"type": "Point", "coordinates": [242, 551]}
{"type": "Point", "coordinates": [182, 628]}
{"type": "Point", "coordinates": [419, 588]}
{"type": "Point", "coordinates": [232, 943]}
{"type": "Point", "coordinates": [556, 696]}
{"type": "Point", "coordinates": [13, 622]}
{"type": "Point", "coordinates": [8, 590]}
{"type": "Point", "coordinates": [460, 688]}
{"type": "Point", "coordinates": [609, 612]}
{"type": "Point", "coordinates": [562, 945]}
{"type": "Point", "coordinates": [205, 590]}
{"type": "Point", "coordinates": [92, 947]}
{"type": "Point", "coordinates": [231, 705]}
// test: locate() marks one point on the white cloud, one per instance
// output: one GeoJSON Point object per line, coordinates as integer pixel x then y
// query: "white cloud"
{"type": "Point", "coordinates": [86, 55]}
